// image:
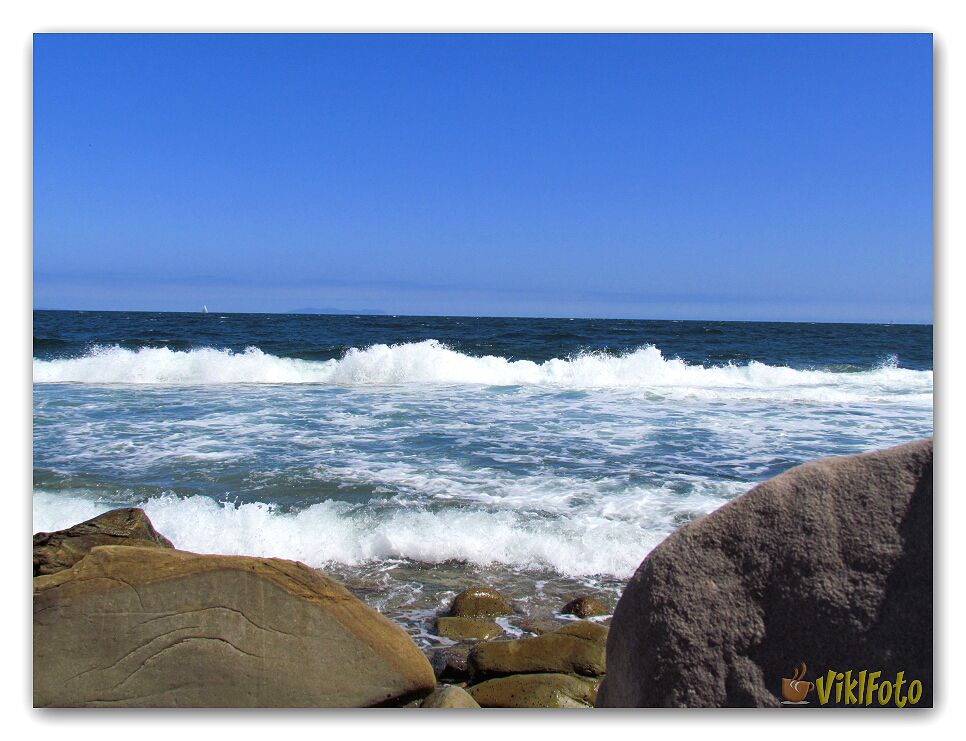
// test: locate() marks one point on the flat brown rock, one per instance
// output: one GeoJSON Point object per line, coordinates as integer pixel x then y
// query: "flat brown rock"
{"type": "Point", "coordinates": [60, 550]}
{"type": "Point", "coordinates": [578, 648]}
{"type": "Point", "coordinates": [536, 691]}
{"type": "Point", "coordinates": [155, 627]}
{"type": "Point", "coordinates": [467, 629]}
{"type": "Point", "coordinates": [537, 626]}
{"type": "Point", "coordinates": [829, 564]}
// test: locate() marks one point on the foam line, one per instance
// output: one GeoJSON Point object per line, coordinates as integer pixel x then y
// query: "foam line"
{"type": "Point", "coordinates": [431, 362]}
{"type": "Point", "coordinates": [336, 532]}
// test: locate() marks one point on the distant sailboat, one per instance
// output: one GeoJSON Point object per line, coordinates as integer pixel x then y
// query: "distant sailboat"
{"type": "Point", "coordinates": [204, 309]}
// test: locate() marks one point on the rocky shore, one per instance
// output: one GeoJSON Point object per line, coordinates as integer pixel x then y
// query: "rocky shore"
{"type": "Point", "coordinates": [122, 618]}
{"type": "Point", "coordinates": [829, 563]}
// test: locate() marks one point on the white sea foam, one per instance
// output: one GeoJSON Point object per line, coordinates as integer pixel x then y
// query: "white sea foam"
{"type": "Point", "coordinates": [56, 512]}
{"type": "Point", "coordinates": [337, 532]}
{"type": "Point", "coordinates": [431, 362]}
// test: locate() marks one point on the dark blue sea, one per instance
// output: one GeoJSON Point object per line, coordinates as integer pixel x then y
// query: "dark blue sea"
{"type": "Point", "coordinates": [411, 456]}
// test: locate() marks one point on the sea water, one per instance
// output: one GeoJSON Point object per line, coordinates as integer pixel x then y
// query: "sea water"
{"type": "Point", "coordinates": [410, 457]}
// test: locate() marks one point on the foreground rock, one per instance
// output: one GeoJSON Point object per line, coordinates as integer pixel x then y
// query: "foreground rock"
{"type": "Point", "coordinates": [585, 607]}
{"type": "Point", "coordinates": [578, 648]}
{"type": "Point", "coordinates": [155, 627]}
{"type": "Point", "coordinates": [829, 564]}
{"type": "Point", "coordinates": [467, 629]}
{"type": "Point", "coordinates": [536, 691]}
{"type": "Point", "coordinates": [450, 697]}
{"type": "Point", "coordinates": [480, 602]}
{"type": "Point", "coordinates": [60, 550]}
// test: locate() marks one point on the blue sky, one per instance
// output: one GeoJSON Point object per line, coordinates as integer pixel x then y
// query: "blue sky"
{"type": "Point", "coordinates": [784, 177]}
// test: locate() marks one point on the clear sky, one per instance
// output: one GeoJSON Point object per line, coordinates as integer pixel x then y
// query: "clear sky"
{"type": "Point", "coordinates": [784, 177]}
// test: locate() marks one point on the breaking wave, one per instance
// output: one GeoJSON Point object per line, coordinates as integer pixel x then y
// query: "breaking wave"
{"type": "Point", "coordinates": [431, 362]}
{"type": "Point", "coordinates": [337, 532]}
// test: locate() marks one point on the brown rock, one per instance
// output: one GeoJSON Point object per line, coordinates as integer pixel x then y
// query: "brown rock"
{"type": "Point", "coordinates": [536, 691]}
{"type": "Point", "coordinates": [585, 607]}
{"type": "Point", "coordinates": [539, 626]}
{"type": "Point", "coordinates": [829, 564]}
{"type": "Point", "coordinates": [479, 602]}
{"type": "Point", "coordinates": [467, 629]}
{"type": "Point", "coordinates": [450, 697]}
{"type": "Point", "coordinates": [578, 648]}
{"type": "Point", "coordinates": [156, 627]}
{"type": "Point", "coordinates": [63, 548]}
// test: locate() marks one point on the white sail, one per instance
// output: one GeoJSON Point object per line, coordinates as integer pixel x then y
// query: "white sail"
{"type": "Point", "coordinates": [204, 309]}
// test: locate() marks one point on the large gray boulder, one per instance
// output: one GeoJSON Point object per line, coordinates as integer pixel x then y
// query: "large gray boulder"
{"type": "Point", "coordinates": [63, 548]}
{"type": "Point", "coordinates": [157, 627]}
{"type": "Point", "coordinates": [829, 564]}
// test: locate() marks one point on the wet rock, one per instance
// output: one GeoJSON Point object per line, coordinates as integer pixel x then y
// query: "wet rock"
{"type": "Point", "coordinates": [156, 627]}
{"type": "Point", "coordinates": [450, 697]}
{"type": "Point", "coordinates": [61, 549]}
{"type": "Point", "coordinates": [585, 607]}
{"type": "Point", "coordinates": [467, 629]}
{"type": "Point", "coordinates": [829, 563]}
{"type": "Point", "coordinates": [478, 602]}
{"type": "Point", "coordinates": [451, 664]}
{"type": "Point", "coordinates": [536, 691]}
{"type": "Point", "coordinates": [538, 626]}
{"type": "Point", "coordinates": [578, 648]}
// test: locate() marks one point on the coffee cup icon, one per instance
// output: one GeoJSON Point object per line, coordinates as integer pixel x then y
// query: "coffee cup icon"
{"type": "Point", "coordinates": [794, 688]}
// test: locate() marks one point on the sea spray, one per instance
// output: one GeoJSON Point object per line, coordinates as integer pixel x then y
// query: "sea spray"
{"type": "Point", "coordinates": [337, 532]}
{"type": "Point", "coordinates": [433, 363]}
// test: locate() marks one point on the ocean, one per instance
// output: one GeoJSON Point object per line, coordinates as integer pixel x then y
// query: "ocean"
{"type": "Point", "coordinates": [410, 457]}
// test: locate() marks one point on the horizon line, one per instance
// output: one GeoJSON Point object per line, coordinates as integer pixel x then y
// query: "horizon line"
{"type": "Point", "coordinates": [372, 313]}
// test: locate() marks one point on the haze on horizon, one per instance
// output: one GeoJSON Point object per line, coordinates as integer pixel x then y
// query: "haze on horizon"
{"type": "Point", "coordinates": [732, 177]}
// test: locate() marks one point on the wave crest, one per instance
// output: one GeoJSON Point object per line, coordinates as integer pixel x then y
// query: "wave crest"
{"type": "Point", "coordinates": [432, 362]}
{"type": "Point", "coordinates": [337, 532]}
